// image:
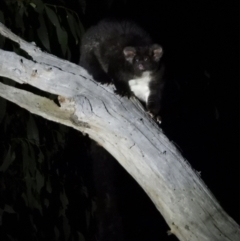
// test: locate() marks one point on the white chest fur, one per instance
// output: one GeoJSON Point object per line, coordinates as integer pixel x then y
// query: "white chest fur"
{"type": "Point", "coordinates": [140, 86]}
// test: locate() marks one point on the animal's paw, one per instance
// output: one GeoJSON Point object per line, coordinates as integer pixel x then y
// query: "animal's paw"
{"type": "Point", "coordinates": [123, 93]}
{"type": "Point", "coordinates": [157, 118]}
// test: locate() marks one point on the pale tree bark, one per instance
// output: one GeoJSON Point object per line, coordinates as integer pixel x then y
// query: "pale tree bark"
{"type": "Point", "coordinates": [127, 132]}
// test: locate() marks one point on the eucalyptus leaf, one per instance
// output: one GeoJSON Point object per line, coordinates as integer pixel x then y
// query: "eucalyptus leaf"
{"type": "Point", "coordinates": [52, 16]}
{"type": "Point", "coordinates": [6, 122]}
{"type": "Point", "coordinates": [94, 207]}
{"type": "Point", "coordinates": [25, 156]}
{"type": "Point", "coordinates": [59, 137]}
{"type": "Point", "coordinates": [37, 5]}
{"type": "Point", "coordinates": [88, 217]}
{"type": "Point", "coordinates": [40, 157]}
{"type": "Point", "coordinates": [46, 203]}
{"type": "Point", "coordinates": [29, 183]}
{"type": "Point", "coordinates": [57, 233]}
{"type": "Point", "coordinates": [66, 228]}
{"type": "Point", "coordinates": [49, 186]}
{"type": "Point", "coordinates": [40, 181]}
{"type": "Point", "coordinates": [64, 199]}
{"type": "Point", "coordinates": [43, 33]}
{"type": "Point", "coordinates": [71, 23]}
{"type": "Point", "coordinates": [33, 5]}
{"type": "Point", "coordinates": [31, 188]}
{"type": "Point", "coordinates": [80, 237]}
{"type": "Point", "coordinates": [10, 237]}
{"type": "Point", "coordinates": [63, 39]}
{"type": "Point", "coordinates": [69, 55]}
{"type": "Point", "coordinates": [24, 197]}
{"type": "Point", "coordinates": [2, 39]}
{"type": "Point", "coordinates": [3, 104]}
{"type": "Point", "coordinates": [61, 33]}
{"type": "Point", "coordinates": [8, 209]}
{"type": "Point", "coordinates": [83, 5]}
{"type": "Point", "coordinates": [8, 159]}
{"type": "Point", "coordinates": [37, 205]}
{"type": "Point", "coordinates": [2, 19]}
{"type": "Point", "coordinates": [1, 215]}
{"type": "Point", "coordinates": [79, 28]}
{"type": "Point", "coordinates": [32, 222]}
{"type": "Point", "coordinates": [32, 130]}
{"type": "Point", "coordinates": [19, 17]}
{"type": "Point", "coordinates": [31, 161]}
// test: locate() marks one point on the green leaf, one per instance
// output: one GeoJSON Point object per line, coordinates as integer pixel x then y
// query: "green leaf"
{"type": "Point", "coordinates": [52, 16]}
{"type": "Point", "coordinates": [31, 199]}
{"type": "Point", "coordinates": [83, 5]}
{"type": "Point", "coordinates": [68, 53]}
{"type": "Point", "coordinates": [37, 5]}
{"type": "Point", "coordinates": [43, 33]}
{"type": "Point", "coordinates": [63, 39]}
{"type": "Point", "coordinates": [58, 136]}
{"type": "Point", "coordinates": [29, 184]}
{"type": "Point", "coordinates": [109, 3]}
{"type": "Point", "coordinates": [32, 222]}
{"type": "Point", "coordinates": [33, 5]}
{"type": "Point", "coordinates": [94, 207]}
{"type": "Point", "coordinates": [49, 186]}
{"type": "Point", "coordinates": [32, 130]}
{"type": "Point", "coordinates": [79, 28]}
{"type": "Point", "coordinates": [25, 156]}
{"type": "Point", "coordinates": [8, 209]}
{"type": "Point", "coordinates": [71, 24]}
{"type": "Point", "coordinates": [80, 237]}
{"type": "Point", "coordinates": [40, 181]}
{"type": "Point", "coordinates": [10, 237]}
{"type": "Point", "coordinates": [61, 33]}
{"type": "Point", "coordinates": [57, 233]}
{"type": "Point", "coordinates": [2, 39]}
{"type": "Point", "coordinates": [32, 160]}
{"type": "Point", "coordinates": [88, 217]}
{"type": "Point", "coordinates": [40, 157]}
{"type": "Point", "coordinates": [64, 199]}
{"type": "Point", "coordinates": [8, 159]}
{"type": "Point", "coordinates": [37, 205]}
{"type": "Point", "coordinates": [46, 202]}
{"type": "Point", "coordinates": [19, 17]}
{"type": "Point", "coordinates": [25, 198]}
{"type": "Point", "coordinates": [66, 228]}
{"type": "Point", "coordinates": [2, 20]}
{"type": "Point", "coordinates": [3, 104]}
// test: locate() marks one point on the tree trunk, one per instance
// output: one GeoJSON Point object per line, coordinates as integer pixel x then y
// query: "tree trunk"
{"type": "Point", "coordinates": [127, 132]}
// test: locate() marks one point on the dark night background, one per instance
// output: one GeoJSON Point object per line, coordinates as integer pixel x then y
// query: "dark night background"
{"type": "Point", "coordinates": [201, 117]}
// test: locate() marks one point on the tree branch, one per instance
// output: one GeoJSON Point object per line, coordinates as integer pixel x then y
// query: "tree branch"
{"type": "Point", "coordinates": [123, 128]}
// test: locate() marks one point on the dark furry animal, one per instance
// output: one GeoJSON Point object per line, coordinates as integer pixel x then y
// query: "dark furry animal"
{"type": "Point", "coordinates": [123, 53]}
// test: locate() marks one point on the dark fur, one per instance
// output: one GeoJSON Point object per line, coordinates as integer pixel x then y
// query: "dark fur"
{"type": "Point", "coordinates": [106, 54]}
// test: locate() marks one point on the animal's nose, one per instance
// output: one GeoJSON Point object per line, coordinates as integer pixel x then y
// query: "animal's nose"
{"type": "Point", "coordinates": [140, 66]}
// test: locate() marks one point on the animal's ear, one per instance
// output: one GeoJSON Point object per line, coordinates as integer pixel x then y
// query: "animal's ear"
{"type": "Point", "coordinates": [157, 52]}
{"type": "Point", "coordinates": [129, 53]}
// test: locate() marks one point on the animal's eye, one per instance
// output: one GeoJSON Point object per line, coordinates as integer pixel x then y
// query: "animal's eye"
{"type": "Point", "coordinates": [137, 59]}
{"type": "Point", "coordinates": [146, 59]}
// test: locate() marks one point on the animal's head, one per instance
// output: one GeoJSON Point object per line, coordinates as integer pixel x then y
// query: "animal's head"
{"type": "Point", "coordinates": [143, 58]}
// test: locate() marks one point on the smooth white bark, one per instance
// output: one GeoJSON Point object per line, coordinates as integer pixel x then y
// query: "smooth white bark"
{"type": "Point", "coordinates": [123, 128]}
